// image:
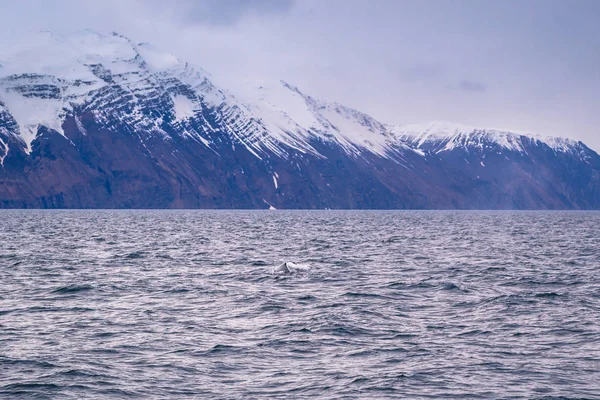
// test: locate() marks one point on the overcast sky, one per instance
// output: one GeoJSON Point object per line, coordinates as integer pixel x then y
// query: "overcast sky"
{"type": "Point", "coordinates": [527, 65]}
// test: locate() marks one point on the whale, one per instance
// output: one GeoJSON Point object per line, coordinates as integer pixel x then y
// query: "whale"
{"type": "Point", "coordinates": [288, 268]}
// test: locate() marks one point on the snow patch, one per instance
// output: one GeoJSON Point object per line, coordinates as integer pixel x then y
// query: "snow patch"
{"type": "Point", "coordinates": [270, 206]}
{"type": "Point", "coordinates": [288, 101]}
{"type": "Point", "coordinates": [80, 126]}
{"type": "Point", "coordinates": [183, 107]}
{"type": "Point", "coordinates": [354, 128]}
{"type": "Point", "coordinates": [442, 136]}
{"type": "Point", "coordinates": [31, 112]}
{"type": "Point", "coordinates": [4, 148]}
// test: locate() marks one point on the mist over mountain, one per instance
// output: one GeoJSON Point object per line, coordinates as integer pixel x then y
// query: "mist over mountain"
{"type": "Point", "coordinates": [97, 121]}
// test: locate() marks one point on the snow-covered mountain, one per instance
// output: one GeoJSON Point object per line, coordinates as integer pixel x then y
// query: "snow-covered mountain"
{"type": "Point", "coordinates": [441, 136]}
{"type": "Point", "coordinates": [50, 77]}
{"type": "Point", "coordinates": [96, 120]}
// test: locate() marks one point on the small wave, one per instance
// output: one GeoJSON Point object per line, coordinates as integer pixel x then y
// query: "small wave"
{"type": "Point", "coordinates": [72, 289]}
{"type": "Point", "coordinates": [7, 256]}
{"type": "Point", "coordinates": [135, 255]}
{"type": "Point", "coordinates": [452, 286]}
{"type": "Point", "coordinates": [356, 294]}
{"type": "Point", "coordinates": [177, 290]}
{"type": "Point", "coordinates": [25, 362]}
{"type": "Point", "coordinates": [105, 334]}
{"type": "Point", "coordinates": [345, 330]}
{"type": "Point", "coordinates": [474, 332]}
{"type": "Point", "coordinates": [80, 373]}
{"type": "Point", "coordinates": [222, 348]}
{"type": "Point", "coordinates": [562, 398]}
{"type": "Point", "coordinates": [303, 330]}
{"type": "Point", "coordinates": [307, 298]}
{"type": "Point", "coordinates": [272, 307]}
{"type": "Point", "coordinates": [549, 295]}
{"type": "Point", "coordinates": [20, 388]}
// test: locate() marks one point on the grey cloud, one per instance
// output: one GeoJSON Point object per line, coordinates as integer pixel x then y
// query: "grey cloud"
{"type": "Point", "coordinates": [473, 87]}
{"type": "Point", "coordinates": [222, 12]}
{"type": "Point", "coordinates": [421, 72]}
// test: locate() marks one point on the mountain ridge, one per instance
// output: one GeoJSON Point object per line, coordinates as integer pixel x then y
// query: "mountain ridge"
{"type": "Point", "coordinates": [68, 102]}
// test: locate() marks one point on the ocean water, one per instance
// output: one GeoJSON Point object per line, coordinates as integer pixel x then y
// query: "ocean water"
{"type": "Point", "coordinates": [187, 305]}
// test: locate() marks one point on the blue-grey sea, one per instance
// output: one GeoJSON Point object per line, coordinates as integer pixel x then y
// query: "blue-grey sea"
{"type": "Point", "coordinates": [190, 305]}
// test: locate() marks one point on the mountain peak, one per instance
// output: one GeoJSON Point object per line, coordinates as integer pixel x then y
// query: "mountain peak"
{"type": "Point", "coordinates": [440, 136]}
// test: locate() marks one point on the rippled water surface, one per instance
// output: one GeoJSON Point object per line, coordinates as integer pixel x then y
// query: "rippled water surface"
{"type": "Point", "coordinates": [185, 304]}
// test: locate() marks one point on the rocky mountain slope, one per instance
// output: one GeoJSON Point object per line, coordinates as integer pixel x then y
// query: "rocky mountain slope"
{"type": "Point", "coordinates": [95, 120]}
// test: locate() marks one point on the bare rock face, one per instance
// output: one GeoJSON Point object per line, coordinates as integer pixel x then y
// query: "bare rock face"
{"type": "Point", "coordinates": [100, 122]}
